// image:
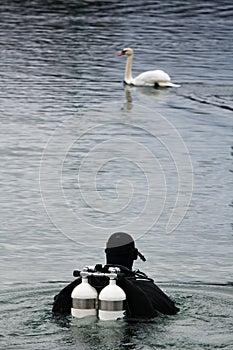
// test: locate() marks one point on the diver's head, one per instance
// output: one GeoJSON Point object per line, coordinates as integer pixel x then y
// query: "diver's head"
{"type": "Point", "coordinates": [120, 250]}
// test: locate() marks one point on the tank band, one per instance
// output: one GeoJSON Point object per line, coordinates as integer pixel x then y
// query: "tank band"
{"type": "Point", "coordinates": [84, 303]}
{"type": "Point", "coordinates": [107, 305]}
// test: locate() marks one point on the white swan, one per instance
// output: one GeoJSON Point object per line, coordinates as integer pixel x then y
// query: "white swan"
{"type": "Point", "coordinates": [149, 78]}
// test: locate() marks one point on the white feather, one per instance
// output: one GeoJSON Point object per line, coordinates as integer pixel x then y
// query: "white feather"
{"type": "Point", "coordinates": [149, 78]}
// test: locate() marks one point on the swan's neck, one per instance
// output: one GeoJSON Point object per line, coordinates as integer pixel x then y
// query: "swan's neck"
{"type": "Point", "coordinates": [128, 70]}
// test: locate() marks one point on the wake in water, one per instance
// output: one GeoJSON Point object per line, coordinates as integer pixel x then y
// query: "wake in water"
{"type": "Point", "coordinates": [210, 101]}
{"type": "Point", "coordinates": [206, 94]}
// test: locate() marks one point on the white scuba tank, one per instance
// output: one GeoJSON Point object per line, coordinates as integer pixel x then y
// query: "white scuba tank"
{"type": "Point", "coordinates": [84, 298]}
{"type": "Point", "coordinates": [111, 302]}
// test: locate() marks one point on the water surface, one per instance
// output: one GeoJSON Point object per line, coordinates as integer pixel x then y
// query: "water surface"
{"type": "Point", "coordinates": [59, 68]}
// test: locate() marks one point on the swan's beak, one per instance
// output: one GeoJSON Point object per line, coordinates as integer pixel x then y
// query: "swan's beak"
{"type": "Point", "coordinates": [122, 53]}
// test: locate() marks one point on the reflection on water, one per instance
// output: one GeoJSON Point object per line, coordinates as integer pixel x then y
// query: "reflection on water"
{"type": "Point", "coordinates": [157, 94]}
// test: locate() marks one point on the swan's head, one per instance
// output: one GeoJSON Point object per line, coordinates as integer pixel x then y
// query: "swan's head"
{"type": "Point", "coordinates": [127, 51]}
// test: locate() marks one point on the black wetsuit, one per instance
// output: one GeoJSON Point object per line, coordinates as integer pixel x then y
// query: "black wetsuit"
{"type": "Point", "coordinates": [144, 300]}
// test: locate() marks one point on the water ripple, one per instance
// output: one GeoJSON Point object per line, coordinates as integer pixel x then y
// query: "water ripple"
{"type": "Point", "coordinates": [205, 320]}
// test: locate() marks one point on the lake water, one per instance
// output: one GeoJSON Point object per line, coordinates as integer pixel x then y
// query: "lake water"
{"type": "Point", "coordinates": [82, 156]}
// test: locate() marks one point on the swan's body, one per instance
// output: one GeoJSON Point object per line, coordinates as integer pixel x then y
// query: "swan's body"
{"type": "Point", "coordinates": [149, 78]}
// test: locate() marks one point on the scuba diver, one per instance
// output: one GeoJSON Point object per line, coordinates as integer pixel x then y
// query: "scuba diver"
{"type": "Point", "coordinates": [144, 300]}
